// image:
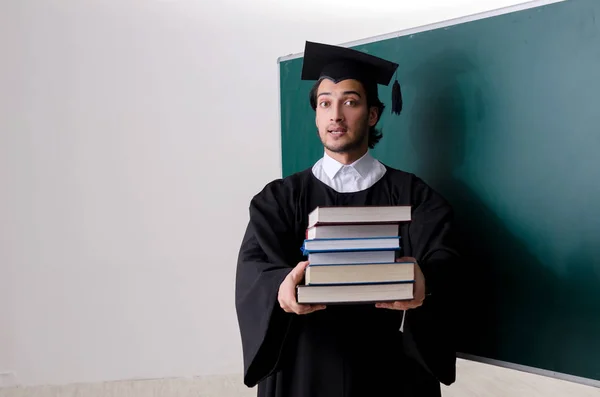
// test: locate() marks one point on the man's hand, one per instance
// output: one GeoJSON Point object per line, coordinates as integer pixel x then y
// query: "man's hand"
{"type": "Point", "coordinates": [287, 292]}
{"type": "Point", "coordinates": [418, 291]}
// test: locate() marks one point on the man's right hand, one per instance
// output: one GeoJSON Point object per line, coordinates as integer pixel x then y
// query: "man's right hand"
{"type": "Point", "coordinates": [287, 292]}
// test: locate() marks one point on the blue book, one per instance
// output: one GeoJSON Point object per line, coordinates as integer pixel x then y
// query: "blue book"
{"type": "Point", "coordinates": [351, 257]}
{"type": "Point", "coordinates": [350, 244]}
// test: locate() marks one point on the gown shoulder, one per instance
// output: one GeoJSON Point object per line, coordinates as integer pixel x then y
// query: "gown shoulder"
{"type": "Point", "coordinates": [282, 189]}
{"type": "Point", "coordinates": [421, 194]}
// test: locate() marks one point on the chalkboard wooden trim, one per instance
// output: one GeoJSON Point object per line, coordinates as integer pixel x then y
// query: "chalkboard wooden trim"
{"type": "Point", "coordinates": [437, 25]}
{"type": "Point", "coordinates": [532, 370]}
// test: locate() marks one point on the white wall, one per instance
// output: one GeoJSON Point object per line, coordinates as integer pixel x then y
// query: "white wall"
{"type": "Point", "coordinates": [132, 136]}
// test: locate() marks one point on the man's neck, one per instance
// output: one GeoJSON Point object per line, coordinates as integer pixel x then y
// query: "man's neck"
{"type": "Point", "coordinates": [347, 157]}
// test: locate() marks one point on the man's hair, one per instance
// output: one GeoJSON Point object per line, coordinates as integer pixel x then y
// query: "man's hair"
{"type": "Point", "coordinates": [375, 135]}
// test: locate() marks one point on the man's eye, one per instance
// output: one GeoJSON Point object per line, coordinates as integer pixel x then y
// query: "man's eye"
{"type": "Point", "coordinates": [350, 102]}
{"type": "Point", "coordinates": [323, 104]}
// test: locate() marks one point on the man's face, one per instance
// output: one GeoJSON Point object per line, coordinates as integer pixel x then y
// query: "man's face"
{"type": "Point", "coordinates": [342, 116]}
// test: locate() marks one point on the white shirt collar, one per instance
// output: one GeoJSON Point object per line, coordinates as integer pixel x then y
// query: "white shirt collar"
{"type": "Point", "coordinates": [358, 176]}
{"type": "Point", "coordinates": [363, 165]}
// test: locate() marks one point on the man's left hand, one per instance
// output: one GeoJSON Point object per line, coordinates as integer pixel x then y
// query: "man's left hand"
{"type": "Point", "coordinates": [418, 290]}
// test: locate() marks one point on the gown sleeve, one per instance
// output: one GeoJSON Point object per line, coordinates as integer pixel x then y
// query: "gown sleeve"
{"type": "Point", "coordinates": [433, 240]}
{"type": "Point", "coordinates": [429, 328]}
{"type": "Point", "coordinates": [265, 258]}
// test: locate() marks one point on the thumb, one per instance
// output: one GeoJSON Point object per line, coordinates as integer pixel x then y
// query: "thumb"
{"type": "Point", "coordinates": [298, 271]}
{"type": "Point", "coordinates": [406, 259]}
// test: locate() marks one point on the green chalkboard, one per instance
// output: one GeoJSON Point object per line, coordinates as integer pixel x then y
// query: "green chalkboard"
{"type": "Point", "coordinates": [502, 116]}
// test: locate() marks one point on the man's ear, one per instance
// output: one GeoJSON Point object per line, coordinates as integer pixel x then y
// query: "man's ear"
{"type": "Point", "coordinates": [373, 116]}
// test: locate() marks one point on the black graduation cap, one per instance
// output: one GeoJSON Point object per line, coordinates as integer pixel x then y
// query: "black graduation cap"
{"type": "Point", "coordinates": [341, 63]}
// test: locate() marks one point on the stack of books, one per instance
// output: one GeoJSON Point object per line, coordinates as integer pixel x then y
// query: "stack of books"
{"type": "Point", "coordinates": [352, 256]}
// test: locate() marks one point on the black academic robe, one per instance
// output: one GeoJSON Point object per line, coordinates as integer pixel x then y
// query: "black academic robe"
{"type": "Point", "coordinates": [344, 350]}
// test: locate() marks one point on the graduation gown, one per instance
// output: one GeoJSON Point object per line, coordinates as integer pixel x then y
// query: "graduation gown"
{"type": "Point", "coordinates": [344, 350]}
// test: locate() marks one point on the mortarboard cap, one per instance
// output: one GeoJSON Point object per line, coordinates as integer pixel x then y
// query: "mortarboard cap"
{"type": "Point", "coordinates": [341, 63]}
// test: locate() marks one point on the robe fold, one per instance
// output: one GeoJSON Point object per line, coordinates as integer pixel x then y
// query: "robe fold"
{"type": "Point", "coordinates": [352, 349]}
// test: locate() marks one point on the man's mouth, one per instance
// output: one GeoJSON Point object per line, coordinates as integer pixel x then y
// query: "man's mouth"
{"type": "Point", "coordinates": [337, 131]}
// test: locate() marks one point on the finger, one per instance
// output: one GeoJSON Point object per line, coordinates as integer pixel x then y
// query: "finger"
{"type": "Point", "coordinates": [384, 305]}
{"type": "Point", "coordinates": [413, 304]}
{"type": "Point", "coordinates": [307, 309]}
{"type": "Point", "coordinates": [303, 308]}
{"type": "Point", "coordinates": [403, 306]}
{"type": "Point", "coordinates": [398, 305]}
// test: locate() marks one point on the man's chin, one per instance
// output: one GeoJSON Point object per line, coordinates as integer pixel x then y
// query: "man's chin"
{"type": "Point", "coordinates": [341, 148]}
{"type": "Point", "coordinates": [335, 147]}
{"type": "Point", "coordinates": [341, 145]}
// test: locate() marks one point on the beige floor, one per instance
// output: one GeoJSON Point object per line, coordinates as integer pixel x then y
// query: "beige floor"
{"type": "Point", "coordinates": [474, 379]}
{"type": "Point", "coordinates": [477, 379]}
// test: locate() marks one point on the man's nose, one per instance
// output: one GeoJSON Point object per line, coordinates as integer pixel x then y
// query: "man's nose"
{"type": "Point", "coordinates": [336, 113]}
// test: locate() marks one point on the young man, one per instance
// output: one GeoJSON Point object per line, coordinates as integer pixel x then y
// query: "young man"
{"type": "Point", "coordinates": [383, 349]}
